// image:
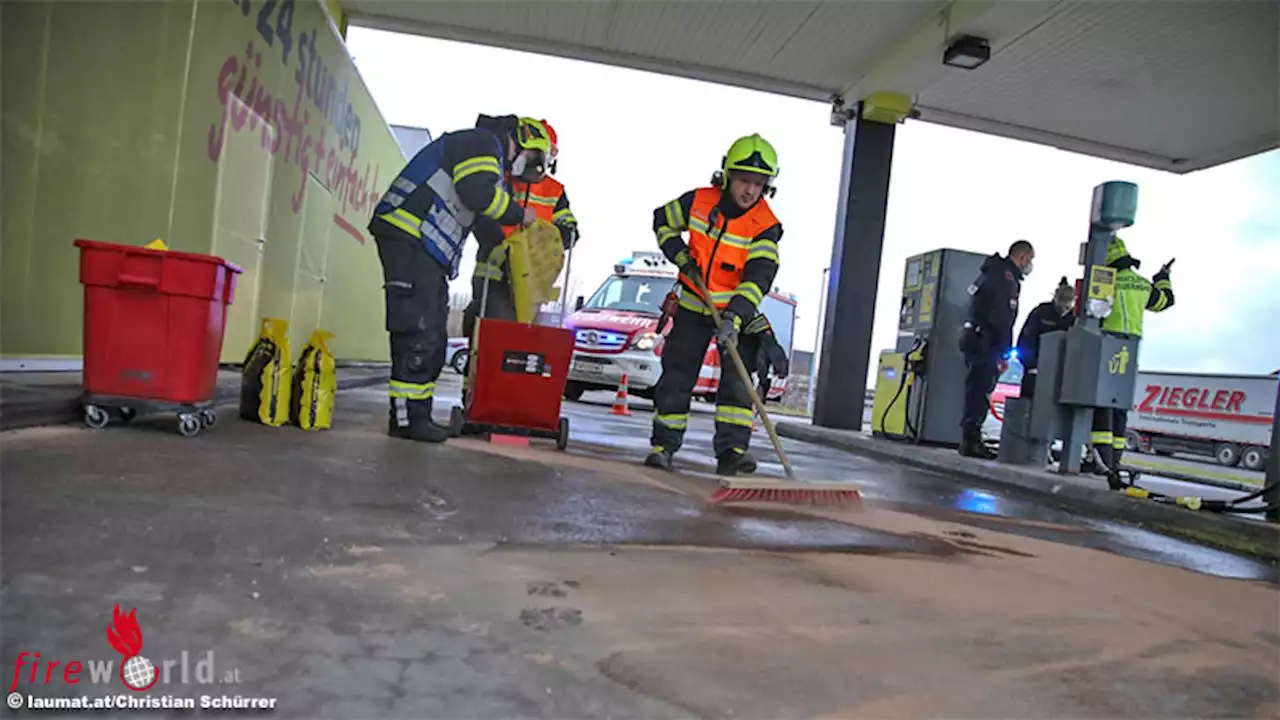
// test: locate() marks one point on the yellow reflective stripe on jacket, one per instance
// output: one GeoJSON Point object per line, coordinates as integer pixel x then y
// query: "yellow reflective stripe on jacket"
{"type": "Point", "coordinates": [533, 199]}
{"type": "Point", "coordinates": [410, 391]}
{"type": "Point", "coordinates": [692, 302]}
{"type": "Point", "coordinates": [404, 220]}
{"type": "Point", "coordinates": [1100, 437]}
{"type": "Point", "coordinates": [732, 415]}
{"type": "Point", "coordinates": [1118, 443]}
{"type": "Point", "coordinates": [491, 267]}
{"type": "Point", "coordinates": [487, 272]}
{"type": "Point", "coordinates": [471, 166]}
{"type": "Point", "coordinates": [675, 216]}
{"type": "Point", "coordinates": [758, 324]}
{"type": "Point", "coordinates": [1162, 301]}
{"type": "Point", "coordinates": [763, 249]}
{"type": "Point", "coordinates": [498, 206]}
{"type": "Point", "coordinates": [751, 292]}
{"type": "Point", "coordinates": [728, 238]}
{"type": "Point", "coordinates": [564, 217]}
{"type": "Point", "coordinates": [695, 303]}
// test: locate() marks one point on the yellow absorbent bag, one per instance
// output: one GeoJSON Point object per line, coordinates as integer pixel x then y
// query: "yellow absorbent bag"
{"type": "Point", "coordinates": [265, 380]}
{"type": "Point", "coordinates": [536, 257]}
{"type": "Point", "coordinates": [315, 385]}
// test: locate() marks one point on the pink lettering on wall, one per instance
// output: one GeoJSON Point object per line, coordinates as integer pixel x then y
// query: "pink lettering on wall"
{"type": "Point", "coordinates": [287, 127]}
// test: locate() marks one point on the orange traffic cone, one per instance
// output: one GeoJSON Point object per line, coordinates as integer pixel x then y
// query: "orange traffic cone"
{"type": "Point", "coordinates": [620, 400]}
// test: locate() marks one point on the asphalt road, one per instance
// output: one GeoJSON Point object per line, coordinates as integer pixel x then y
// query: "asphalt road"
{"type": "Point", "coordinates": [347, 574]}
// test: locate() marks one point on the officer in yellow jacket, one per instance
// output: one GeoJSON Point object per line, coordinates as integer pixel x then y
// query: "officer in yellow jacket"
{"type": "Point", "coordinates": [733, 247]}
{"type": "Point", "coordinates": [1134, 296]}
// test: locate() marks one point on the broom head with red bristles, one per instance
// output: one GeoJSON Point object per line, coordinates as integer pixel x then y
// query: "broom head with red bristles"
{"type": "Point", "coordinates": [793, 493]}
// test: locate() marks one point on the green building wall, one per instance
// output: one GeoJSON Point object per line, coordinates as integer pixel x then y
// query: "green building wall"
{"type": "Point", "coordinates": [238, 128]}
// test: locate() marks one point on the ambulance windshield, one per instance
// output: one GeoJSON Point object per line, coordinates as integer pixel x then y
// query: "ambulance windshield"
{"type": "Point", "coordinates": [630, 294]}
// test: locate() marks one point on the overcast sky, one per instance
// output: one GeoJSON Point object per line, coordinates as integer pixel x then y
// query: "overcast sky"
{"type": "Point", "coordinates": [631, 141]}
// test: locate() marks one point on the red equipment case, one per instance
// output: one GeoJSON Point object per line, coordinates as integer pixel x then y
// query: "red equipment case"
{"type": "Point", "coordinates": [153, 329]}
{"type": "Point", "coordinates": [520, 374]}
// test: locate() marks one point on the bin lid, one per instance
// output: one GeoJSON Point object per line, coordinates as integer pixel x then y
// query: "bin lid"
{"type": "Point", "coordinates": [140, 250]}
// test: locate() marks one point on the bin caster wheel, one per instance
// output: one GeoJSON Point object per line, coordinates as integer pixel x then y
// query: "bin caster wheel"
{"type": "Point", "coordinates": [95, 417]}
{"type": "Point", "coordinates": [456, 421]}
{"type": "Point", "coordinates": [188, 425]}
{"type": "Point", "coordinates": [127, 414]}
{"type": "Point", "coordinates": [208, 418]}
{"type": "Point", "coordinates": [562, 437]}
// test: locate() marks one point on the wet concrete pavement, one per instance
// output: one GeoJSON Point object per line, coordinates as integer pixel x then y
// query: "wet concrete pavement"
{"type": "Point", "coordinates": [889, 485]}
{"type": "Point", "coordinates": [351, 575]}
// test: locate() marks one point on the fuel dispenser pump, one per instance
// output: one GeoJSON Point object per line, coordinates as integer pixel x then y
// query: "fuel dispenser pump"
{"type": "Point", "coordinates": [919, 393]}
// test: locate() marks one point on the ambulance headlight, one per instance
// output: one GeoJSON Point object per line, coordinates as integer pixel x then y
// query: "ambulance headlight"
{"type": "Point", "coordinates": [645, 341]}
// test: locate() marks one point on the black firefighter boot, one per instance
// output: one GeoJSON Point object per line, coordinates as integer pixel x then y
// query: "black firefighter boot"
{"type": "Point", "coordinates": [971, 444]}
{"type": "Point", "coordinates": [659, 458]}
{"type": "Point", "coordinates": [734, 462]}
{"type": "Point", "coordinates": [411, 420]}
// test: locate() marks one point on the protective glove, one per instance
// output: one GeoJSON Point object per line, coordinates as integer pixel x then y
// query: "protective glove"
{"type": "Point", "coordinates": [1164, 272]}
{"type": "Point", "coordinates": [782, 368]}
{"type": "Point", "coordinates": [730, 326]}
{"type": "Point", "coordinates": [687, 265]}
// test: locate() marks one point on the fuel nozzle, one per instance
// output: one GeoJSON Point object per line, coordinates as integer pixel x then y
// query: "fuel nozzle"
{"type": "Point", "coordinates": [915, 356]}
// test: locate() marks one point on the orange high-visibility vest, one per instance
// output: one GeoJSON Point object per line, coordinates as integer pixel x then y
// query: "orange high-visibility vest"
{"type": "Point", "coordinates": [720, 245]}
{"type": "Point", "coordinates": [542, 196]}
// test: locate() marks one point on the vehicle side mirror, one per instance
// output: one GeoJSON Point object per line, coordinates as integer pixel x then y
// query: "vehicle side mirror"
{"type": "Point", "coordinates": [577, 304]}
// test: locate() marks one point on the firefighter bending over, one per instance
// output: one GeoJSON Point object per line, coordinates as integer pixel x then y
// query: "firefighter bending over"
{"type": "Point", "coordinates": [1134, 295]}
{"type": "Point", "coordinates": [733, 247]}
{"type": "Point", "coordinates": [420, 226]}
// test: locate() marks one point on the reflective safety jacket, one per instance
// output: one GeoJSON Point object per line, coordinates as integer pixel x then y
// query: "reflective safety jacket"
{"type": "Point", "coordinates": [736, 250]}
{"type": "Point", "coordinates": [549, 202]}
{"type": "Point", "coordinates": [1134, 295]}
{"type": "Point", "coordinates": [439, 194]}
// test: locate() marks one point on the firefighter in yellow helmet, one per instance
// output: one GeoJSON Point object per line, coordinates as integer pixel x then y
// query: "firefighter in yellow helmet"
{"type": "Point", "coordinates": [1134, 296]}
{"type": "Point", "coordinates": [533, 189]}
{"type": "Point", "coordinates": [733, 247]}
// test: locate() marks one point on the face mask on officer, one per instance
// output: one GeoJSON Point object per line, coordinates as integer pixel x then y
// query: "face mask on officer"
{"type": "Point", "coordinates": [530, 166]}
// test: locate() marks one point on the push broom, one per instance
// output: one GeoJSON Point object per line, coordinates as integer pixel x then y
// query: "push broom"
{"type": "Point", "coordinates": [793, 490]}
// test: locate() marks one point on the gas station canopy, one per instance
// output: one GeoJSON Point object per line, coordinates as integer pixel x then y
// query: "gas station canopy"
{"type": "Point", "coordinates": [1177, 86]}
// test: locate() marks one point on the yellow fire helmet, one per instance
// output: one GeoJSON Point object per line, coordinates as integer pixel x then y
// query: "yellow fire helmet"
{"type": "Point", "coordinates": [533, 134]}
{"type": "Point", "coordinates": [750, 154]}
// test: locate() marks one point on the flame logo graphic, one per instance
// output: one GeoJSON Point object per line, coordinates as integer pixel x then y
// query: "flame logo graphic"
{"type": "Point", "coordinates": [125, 635]}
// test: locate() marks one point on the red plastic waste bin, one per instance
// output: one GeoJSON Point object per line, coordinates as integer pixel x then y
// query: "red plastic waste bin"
{"type": "Point", "coordinates": [153, 329]}
{"type": "Point", "coordinates": [520, 372]}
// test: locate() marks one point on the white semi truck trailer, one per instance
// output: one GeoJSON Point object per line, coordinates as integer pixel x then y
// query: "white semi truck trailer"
{"type": "Point", "coordinates": [1226, 417]}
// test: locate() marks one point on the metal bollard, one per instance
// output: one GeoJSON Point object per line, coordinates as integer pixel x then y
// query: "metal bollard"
{"type": "Point", "coordinates": [1018, 444]}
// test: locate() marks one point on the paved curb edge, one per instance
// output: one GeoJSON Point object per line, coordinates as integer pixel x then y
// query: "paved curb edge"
{"type": "Point", "coordinates": [1257, 539]}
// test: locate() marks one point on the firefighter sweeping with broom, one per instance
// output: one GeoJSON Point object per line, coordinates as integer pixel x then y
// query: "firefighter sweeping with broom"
{"type": "Point", "coordinates": [733, 250]}
{"type": "Point", "coordinates": [420, 226]}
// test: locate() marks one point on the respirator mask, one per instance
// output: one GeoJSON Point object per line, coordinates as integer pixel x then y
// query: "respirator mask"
{"type": "Point", "coordinates": [529, 170]}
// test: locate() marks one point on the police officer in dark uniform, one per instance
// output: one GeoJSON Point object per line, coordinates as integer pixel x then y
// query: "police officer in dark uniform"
{"type": "Point", "coordinates": [421, 225]}
{"type": "Point", "coordinates": [987, 337]}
